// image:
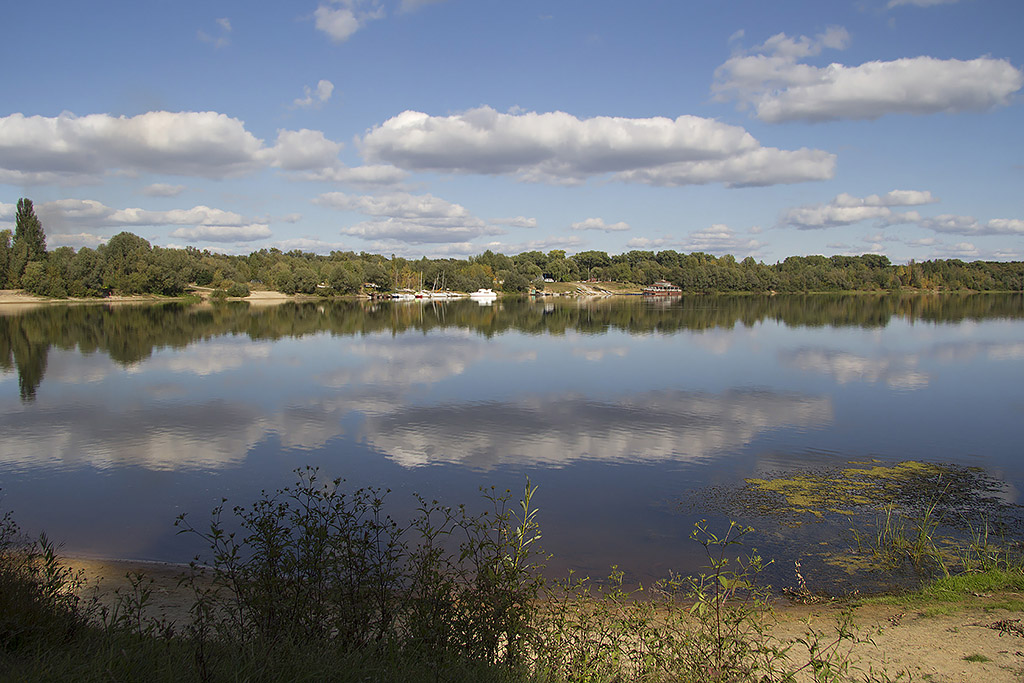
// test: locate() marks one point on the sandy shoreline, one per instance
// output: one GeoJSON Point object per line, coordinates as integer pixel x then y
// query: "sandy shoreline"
{"type": "Point", "coordinates": [930, 644]}
{"type": "Point", "coordinates": [21, 300]}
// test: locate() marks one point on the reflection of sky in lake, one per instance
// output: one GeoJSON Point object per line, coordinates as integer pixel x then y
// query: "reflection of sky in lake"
{"type": "Point", "coordinates": [614, 427]}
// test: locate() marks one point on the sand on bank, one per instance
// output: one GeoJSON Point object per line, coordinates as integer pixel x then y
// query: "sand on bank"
{"type": "Point", "coordinates": [928, 643]}
{"type": "Point", "coordinates": [19, 301]}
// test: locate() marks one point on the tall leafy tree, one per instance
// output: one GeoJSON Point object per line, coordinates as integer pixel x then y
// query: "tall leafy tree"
{"type": "Point", "coordinates": [28, 228]}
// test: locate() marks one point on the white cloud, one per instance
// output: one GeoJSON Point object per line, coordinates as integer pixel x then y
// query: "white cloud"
{"type": "Point", "coordinates": [412, 218]}
{"type": "Point", "coordinates": [960, 250]}
{"type": "Point", "coordinates": [599, 224]}
{"type": "Point", "coordinates": [224, 233]}
{"type": "Point", "coordinates": [300, 150]}
{"type": "Point", "coordinates": [341, 18]}
{"type": "Point", "coordinates": [569, 243]}
{"type": "Point", "coordinates": [199, 222]}
{"type": "Point", "coordinates": [76, 240]}
{"type": "Point", "coordinates": [360, 176]}
{"type": "Point", "coordinates": [414, 231]}
{"type": "Point", "coordinates": [968, 225]}
{"type": "Point", "coordinates": [323, 92]}
{"type": "Point", "coordinates": [77, 149]}
{"type": "Point", "coordinates": [770, 79]}
{"type": "Point", "coordinates": [397, 205]}
{"type": "Point", "coordinates": [88, 212]}
{"type": "Point", "coordinates": [846, 209]}
{"type": "Point", "coordinates": [762, 167]}
{"type": "Point", "coordinates": [68, 147]}
{"type": "Point", "coordinates": [163, 190]}
{"type": "Point", "coordinates": [7, 211]}
{"type": "Point", "coordinates": [720, 239]}
{"type": "Point", "coordinates": [648, 243]}
{"type": "Point", "coordinates": [557, 147]}
{"type": "Point", "coordinates": [309, 244]}
{"type": "Point", "coordinates": [516, 222]}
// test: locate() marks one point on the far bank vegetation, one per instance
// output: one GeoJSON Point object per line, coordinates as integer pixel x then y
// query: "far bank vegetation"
{"type": "Point", "coordinates": [128, 264]}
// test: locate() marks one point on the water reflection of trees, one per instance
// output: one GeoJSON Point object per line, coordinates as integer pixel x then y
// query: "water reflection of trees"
{"type": "Point", "coordinates": [130, 334]}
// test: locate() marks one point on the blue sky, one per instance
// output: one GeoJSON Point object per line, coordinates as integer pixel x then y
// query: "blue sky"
{"type": "Point", "coordinates": [447, 127]}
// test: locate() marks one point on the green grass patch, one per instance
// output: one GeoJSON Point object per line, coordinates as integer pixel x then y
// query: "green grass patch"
{"type": "Point", "coordinates": [960, 588]}
{"type": "Point", "coordinates": [976, 658]}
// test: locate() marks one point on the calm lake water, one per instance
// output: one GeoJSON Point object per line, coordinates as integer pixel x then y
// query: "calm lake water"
{"type": "Point", "coordinates": [628, 413]}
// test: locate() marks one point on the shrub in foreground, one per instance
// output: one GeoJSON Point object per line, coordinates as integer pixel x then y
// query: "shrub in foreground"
{"type": "Point", "coordinates": [315, 582]}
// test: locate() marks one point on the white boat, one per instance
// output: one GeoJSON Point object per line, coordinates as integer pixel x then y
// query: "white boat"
{"type": "Point", "coordinates": [483, 293]}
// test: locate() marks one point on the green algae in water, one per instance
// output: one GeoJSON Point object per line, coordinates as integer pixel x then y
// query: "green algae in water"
{"type": "Point", "coordinates": [910, 486]}
{"type": "Point", "coordinates": [835, 521]}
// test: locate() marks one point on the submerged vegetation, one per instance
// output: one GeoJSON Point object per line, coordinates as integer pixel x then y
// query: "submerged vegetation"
{"type": "Point", "coordinates": [129, 264]}
{"type": "Point", "coordinates": [316, 582]}
{"type": "Point", "coordinates": [896, 524]}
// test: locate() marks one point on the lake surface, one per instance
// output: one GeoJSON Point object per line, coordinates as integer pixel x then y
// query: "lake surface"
{"type": "Point", "coordinates": [628, 413]}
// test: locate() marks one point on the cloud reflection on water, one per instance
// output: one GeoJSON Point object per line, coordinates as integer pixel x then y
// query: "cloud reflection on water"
{"type": "Point", "coordinates": [555, 431]}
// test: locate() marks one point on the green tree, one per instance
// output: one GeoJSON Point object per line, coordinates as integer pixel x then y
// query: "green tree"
{"type": "Point", "coordinates": [127, 258]}
{"type": "Point", "coordinates": [28, 228]}
{"type": "Point", "coordinates": [5, 257]}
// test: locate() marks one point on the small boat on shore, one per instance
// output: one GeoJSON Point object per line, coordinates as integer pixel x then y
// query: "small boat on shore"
{"type": "Point", "coordinates": [483, 293]}
{"type": "Point", "coordinates": [663, 288]}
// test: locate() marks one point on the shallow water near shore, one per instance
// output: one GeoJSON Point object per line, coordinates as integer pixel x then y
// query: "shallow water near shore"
{"type": "Point", "coordinates": [635, 417]}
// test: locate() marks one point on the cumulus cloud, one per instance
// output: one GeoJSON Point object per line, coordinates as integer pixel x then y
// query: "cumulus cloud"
{"type": "Point", "coordinates": [960, 250]}
{"type": "Point", "coordinates": [88, 212]}
{"type": "Point", "coordinates": [360, 176]}
{"type": "Point", "coordinates": [557, 147]}
{"type": "Point", "coordinates": [516, 222]}
{"type": "Point", "coordinates": [599, 224]}
{"type": "Point", "coordinates": [77, 149]}
{"type": "Point", "coordinates": [968, 225]}
{"type": "Point", "coordinates": [301, 150]}
{"type": "Point", "coordinates": [772, 80]}
{"type": "Point", "coordinates": [649, 243]}
{"type": "Point", "coordinates": [323, 92]}
{"type": "Point", "coordinates": [205, 144]}
{"type": "Point", "coordinates": [199, 222]}
{"type": "Point", "coordinates": [76, 240]}
{"type": "Point", "coordinates": [720, 239]}
{"type": "Point", "coordinates": [408, 217]}
{"type": "Point", "coordinates": [163, 190]}
{"type": "Point", "coordinates": [224, 233]}
{"type": "Point", "coordinates": [309, 244]}
{"type": "Point", "coordinates": [846, 209]}
{"type": "Point", "coordinates": [340, 19]}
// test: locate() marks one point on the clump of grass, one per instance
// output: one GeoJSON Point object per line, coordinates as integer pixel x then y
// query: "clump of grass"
{"type": "Point", "coordinates": [976, 658]}
{"type": "Point", "coordinates": [899, 540]}
{"type": "Point", "coordinates": [39, 602]}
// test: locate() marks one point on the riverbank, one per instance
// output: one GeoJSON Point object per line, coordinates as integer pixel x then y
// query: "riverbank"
{"type": "Point", "coordinates": [975, 636]}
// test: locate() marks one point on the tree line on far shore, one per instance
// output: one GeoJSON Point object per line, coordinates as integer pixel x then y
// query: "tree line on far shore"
{"type": "Point", "coordinates": [128, 264]}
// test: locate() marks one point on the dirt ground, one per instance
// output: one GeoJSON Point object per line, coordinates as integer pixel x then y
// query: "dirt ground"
{"type": "Point", "coordinates": [930, 644]}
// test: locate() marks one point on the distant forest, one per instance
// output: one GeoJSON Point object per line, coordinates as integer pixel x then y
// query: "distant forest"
{"type": "Point", "coordinates": [129, 264]}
